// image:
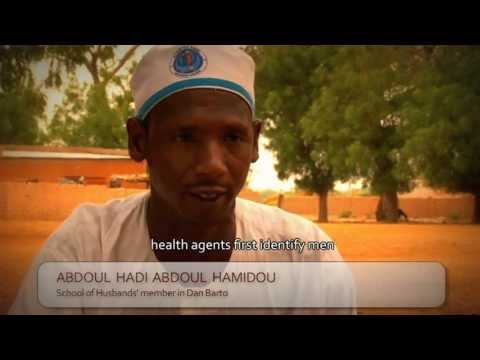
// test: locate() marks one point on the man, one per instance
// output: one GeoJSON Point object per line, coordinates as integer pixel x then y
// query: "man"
{"type": "Point", "coordinates": [196, 129]}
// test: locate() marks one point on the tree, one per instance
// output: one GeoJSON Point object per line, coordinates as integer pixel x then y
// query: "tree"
{"type": "Point", "coordinates": [22, 101]}
{"type": "Point", "coordinates": [333, 113]}
{"type": "Point", "coordinates": [21, 110]}
{"type": "Point", "coordinates": [15, 64]}
{"type": "Point", "coordinates": [355, 122]}
{"type": "Point", "coordinates": [444, 121]}
{"type": "Point", "coordinates": [94, 114]}
{"type": "Point", "coordinates": [22, 104]}
{"type": "Point", "coordinates": [284, 93]}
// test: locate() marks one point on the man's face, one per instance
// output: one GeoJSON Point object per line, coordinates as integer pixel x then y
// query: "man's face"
{"type": "Point", "coordinates": [200, 144]}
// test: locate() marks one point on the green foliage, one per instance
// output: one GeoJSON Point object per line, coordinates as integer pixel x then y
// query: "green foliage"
{"type": "Point", "coordinates": [15, 61]}
{"type": "Point", "coordinates": [91, 114]}
{"type": "Point", "coordinates": [444, 120]}
{"type": "Point", "coordinates": [284, 94]}
{"type": "Point", "coordinates": [94, 114]}
{"type": "Point", "coordinates": [332, 113]}
{"type": "Point", "coordinates": [22, 104]}
{"type": "Point", "coordinates": [354, 120]}
{"type": "Point", "coordinates": [89, 117]}
{"type": "Point", "coordinates": [21, 110]}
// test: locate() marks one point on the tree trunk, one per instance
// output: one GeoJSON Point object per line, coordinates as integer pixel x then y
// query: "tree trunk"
{"type": "Point", "coordinates": [390, 206]}
{"type": "Point", "coordinates": [476, 209]}
{"type": "Point", "coordinates": [323, 206]}
{"type": "Point", "coordinates": [280, 201]}
{"type": "Point", "coordinates": [379, 214]}
{"type": "Point", "coordinates": [387, 208]}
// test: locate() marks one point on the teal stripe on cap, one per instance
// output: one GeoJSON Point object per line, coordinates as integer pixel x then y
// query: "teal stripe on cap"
{"type": "Point", "coordinates": [193, 83]}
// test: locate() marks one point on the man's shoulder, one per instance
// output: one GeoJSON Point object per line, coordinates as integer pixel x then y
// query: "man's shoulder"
{"type": "Point", "coordinates": [92, 213]}
{"type": "Point", "coordinates": [89, 225]}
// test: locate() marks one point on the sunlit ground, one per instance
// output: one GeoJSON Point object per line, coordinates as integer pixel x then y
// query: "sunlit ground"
{"type": "Point", "coordinates": [455, 246]}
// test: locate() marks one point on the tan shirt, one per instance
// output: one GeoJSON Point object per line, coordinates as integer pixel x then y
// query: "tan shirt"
{"type": "Point", "coordinates": [117, 231]}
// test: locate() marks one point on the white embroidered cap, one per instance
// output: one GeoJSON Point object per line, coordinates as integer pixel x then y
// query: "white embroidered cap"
{"type": "Point", "coordinates": [165, 70]}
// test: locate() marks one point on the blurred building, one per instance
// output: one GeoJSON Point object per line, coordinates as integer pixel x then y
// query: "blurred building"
{"type": "Point", "coordinates": [69, 165]}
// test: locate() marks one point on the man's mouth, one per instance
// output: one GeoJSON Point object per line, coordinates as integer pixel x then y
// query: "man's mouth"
{"type": "Point", "coordinates": [207, 193]}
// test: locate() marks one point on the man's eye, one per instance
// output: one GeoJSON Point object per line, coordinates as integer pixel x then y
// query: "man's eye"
{"type": "Point", "coordinates": [233, 137]}
{"type": "Point", "coordinates": [184, 137]}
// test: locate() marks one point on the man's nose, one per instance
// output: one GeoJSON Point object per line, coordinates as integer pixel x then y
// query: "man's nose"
{"type": "Point", "coordinates": [210, 159]}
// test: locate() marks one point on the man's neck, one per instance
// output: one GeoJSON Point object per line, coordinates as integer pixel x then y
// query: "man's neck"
{"type": "Point", "coordinates": [163, 227]}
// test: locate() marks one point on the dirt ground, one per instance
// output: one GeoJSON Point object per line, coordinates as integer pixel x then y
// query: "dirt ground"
{"type": "Point", "coordinates": [457, 247]}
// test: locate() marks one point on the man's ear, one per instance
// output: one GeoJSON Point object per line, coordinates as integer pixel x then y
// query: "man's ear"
{"type": "Point", "coordinates": [257, 127]}
{"type": "Point", "coordinates": [137, 139]}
